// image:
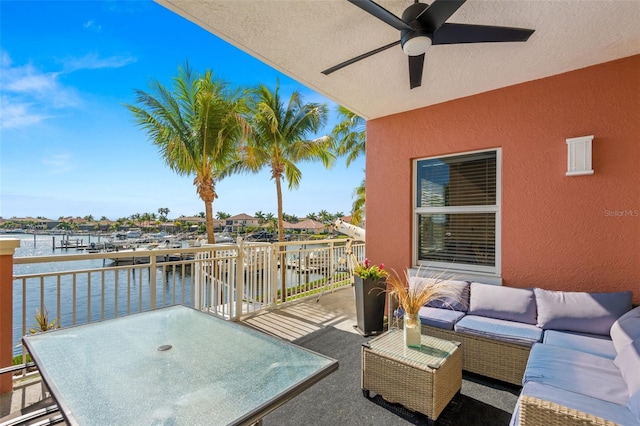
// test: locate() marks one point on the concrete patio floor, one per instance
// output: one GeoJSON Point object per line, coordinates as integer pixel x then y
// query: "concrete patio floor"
{"type": "Point", "coordinates": [335, 309]}
{"type": "Point", "coordinates": [331, 309]}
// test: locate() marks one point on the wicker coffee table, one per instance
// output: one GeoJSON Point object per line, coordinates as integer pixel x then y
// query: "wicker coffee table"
{"type": "Point", "coordinates": [423, 380]}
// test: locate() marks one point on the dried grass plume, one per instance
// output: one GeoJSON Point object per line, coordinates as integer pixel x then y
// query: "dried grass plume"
{"type": "Point", "coordinates": [412, 298]}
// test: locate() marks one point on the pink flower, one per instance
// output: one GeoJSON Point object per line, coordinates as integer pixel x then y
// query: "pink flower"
{"type": "Point", "coordinates": [366, 263]}
{"type": "Point", "coordinates": [382, 266]}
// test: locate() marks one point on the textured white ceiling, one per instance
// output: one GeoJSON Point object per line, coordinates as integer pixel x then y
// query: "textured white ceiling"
{"type": "Point", "coordinates": [301, 38]}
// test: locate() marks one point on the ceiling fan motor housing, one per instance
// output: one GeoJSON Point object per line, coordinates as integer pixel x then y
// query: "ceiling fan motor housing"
{"type": "Point", "coordinates": [409, 16]}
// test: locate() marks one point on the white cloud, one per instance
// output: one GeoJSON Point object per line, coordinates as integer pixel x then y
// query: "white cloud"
{"type": "Point", "coordinates": [5, 59]}
{"type": "Point", "coordinates": [93, 61]}
{"type": "Point", "coordinates": [17, 115]}
{"type": "Point", "coordinates": [58, 163]}
{"type": "Point", "coordinates": [31, 95]}
{"type": "Point", "coordinates": [93, 26]}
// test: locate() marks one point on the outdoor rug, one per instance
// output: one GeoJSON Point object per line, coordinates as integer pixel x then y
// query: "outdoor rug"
{"type": "Point", "coordinates": [338, 399]}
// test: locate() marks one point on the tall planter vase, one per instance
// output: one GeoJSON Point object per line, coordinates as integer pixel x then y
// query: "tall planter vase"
{"type": "Point", "coordinates": [412, 330]}
{"type": "Point", "coordinates": [370, 300]}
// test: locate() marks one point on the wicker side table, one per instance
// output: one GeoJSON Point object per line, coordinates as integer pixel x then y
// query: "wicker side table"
{"type": "Point", "coordinates": [423, 380]}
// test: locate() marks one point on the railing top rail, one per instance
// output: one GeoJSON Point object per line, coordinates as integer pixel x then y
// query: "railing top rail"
{"type": "Point", "coordinates": [117, 254]}
{"type": "Point", "coordinates": [310, 242]}
{"type": "Point", "coordinates": [161, 252]}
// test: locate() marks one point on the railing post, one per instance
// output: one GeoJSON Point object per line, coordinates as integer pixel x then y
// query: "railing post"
{"type": "Point", "coordinates": [152, 280]}
{"type": "Point", "coordinates": [273, 275]}
{"type": "Point", "coordinates": [198, 278]}
{"type": "Point", "coordinates": [239, 290]}
{"type": "Point", "coordinates": [7, 250]}
{"type": "Point", "coordinates": [332, 265]}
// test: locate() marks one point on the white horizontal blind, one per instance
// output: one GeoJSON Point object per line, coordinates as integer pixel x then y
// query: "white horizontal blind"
{"type": "Point", "coordinates": [456, 207]}
{"type": "Point", "coordinates": [457, 238]}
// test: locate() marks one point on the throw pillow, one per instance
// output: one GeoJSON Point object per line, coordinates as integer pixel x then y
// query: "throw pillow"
{"type": "Point", "coordinates": [626, 329]}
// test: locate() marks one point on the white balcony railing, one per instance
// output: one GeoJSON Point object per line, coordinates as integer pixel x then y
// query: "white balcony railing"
{"type": "Point", "coordinates": [231, 281]}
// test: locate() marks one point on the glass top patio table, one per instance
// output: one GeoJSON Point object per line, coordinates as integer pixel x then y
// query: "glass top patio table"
{"type": "Point", "coordinates": [215, 372]}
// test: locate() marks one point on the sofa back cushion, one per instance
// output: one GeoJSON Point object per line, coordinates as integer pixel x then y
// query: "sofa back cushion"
{"type": "Point", "coordinates": [582, 312]}
{"type": "Point", "coordinates": [626, 329]}
{"type": "Point", "coordinates": [628, 362]}
{"type": "Point", "coordinates": [507, 303]}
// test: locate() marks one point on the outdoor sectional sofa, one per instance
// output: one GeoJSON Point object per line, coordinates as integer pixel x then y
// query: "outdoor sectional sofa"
{"type": "Point", "coordinates": [575, 354]}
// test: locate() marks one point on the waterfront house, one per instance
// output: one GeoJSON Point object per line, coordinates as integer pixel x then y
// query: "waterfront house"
{"type": "Point", "coordinates": [491, 120]}
{"type": "Point", "coordinates": [242, 221]}
{"type": "Point", "coordinates": [308, 226]}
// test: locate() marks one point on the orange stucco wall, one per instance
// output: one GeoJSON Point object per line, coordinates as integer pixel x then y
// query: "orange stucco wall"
{"type": "Point", "coordinates": [578, 233]}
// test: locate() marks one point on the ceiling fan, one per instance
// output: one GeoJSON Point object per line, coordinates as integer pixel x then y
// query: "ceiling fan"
{"type": "Point", "coordinates": [423, 25]}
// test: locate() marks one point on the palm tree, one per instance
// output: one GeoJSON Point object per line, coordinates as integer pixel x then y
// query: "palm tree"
{"type": "Point", "coordinates": [260, 216]}
{"type": "Point", "coordinates": [279, 139]}
{"type": "Point", "coordinates": [357, 210]}
{"type": "Point", "coordinates": [196, 128]}
{"type": "Point", "coordinates": [291, 218]}
{"type": "Point", "coordinates": [163, 212]}
{"type": "Point", "coordinates": [349, 139]}
{"type": "Point", "coordinates": [324, 216]}
{"type": "Point", "coordinates": [135, 219]}
{"type": "Point", "coordinates": [222, 215]}
{"type": "Point", "coordinates": [349, 135]}
{"type": "Point", "coordinates": [271, 220]}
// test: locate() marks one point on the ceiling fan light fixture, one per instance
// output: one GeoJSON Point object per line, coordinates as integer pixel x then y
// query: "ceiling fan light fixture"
{"type": "Point", "coordinates": [416, 46]}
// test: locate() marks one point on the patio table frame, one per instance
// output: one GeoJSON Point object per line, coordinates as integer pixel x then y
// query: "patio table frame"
{"type": "Point", "coordinates": [301, 371]}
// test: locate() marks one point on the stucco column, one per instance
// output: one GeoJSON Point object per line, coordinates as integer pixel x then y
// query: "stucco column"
{"type": "Point", "coordinates": [7, 249]}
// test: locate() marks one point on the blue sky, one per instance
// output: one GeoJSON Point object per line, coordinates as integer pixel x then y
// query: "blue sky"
{"type": "Point", "coordinates": [68, 146]}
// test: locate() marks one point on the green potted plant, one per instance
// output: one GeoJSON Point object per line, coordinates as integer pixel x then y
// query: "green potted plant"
{"type": "Point", "coordinates": [370, 286]}
{"type": "Point", "coordinates": [42, 322]}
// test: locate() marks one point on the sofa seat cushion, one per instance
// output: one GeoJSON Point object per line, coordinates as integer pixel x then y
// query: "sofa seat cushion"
{"type": "Point", "coordinates": [505, 331]}
{"type": "Point", "coordinates": [506, 303]}
{"type": "Point", "coordinates": [582, 312]}
{"type": "Point", "coordinates": [455, 293]}
{"type": "Point", "coordinates": [619, 414]}
{"type": "Point", "coordinates": [439, 317]}
{"type": "Point", "coordinates": [634, 404]}
{"type": "Point", "coordinates": [590, 343]}
{"type": "Point", "coordinates": [626, 329]}
{"type": "Point", "coordinates": [577, 372]}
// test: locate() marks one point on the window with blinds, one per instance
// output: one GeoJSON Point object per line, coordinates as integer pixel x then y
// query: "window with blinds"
{"type": "Point", "coordinates": [457, 211]}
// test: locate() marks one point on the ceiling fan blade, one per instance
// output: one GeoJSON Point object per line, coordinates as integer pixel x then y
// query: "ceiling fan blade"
{"type": "Point", "coordinates": [440, 10]}
{"type": "Point", "coordinates": [358, 58]}
{"type": "Point", "coordinates": [467, 33]}
{"type": "Point", "coordinates": [382, 14]}
{"type": "Point", "coordinates": [416, 64]}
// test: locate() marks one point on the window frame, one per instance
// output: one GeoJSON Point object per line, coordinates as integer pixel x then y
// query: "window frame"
{"type": "Point", "coordinates": [496, 209]}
